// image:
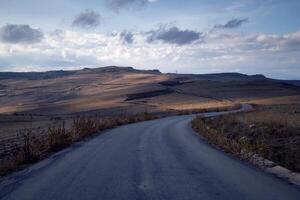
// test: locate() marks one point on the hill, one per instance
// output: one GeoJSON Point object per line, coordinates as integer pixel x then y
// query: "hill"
{"type": "Point", "coordinates": [37, 100]}
{"type": "Point", "coordinates": [100, 89]}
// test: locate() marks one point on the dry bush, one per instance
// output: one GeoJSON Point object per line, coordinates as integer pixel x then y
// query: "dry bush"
{"type": "Point", "coordinates": [58, 138]}
{"type": "Point", "coordinates": [11, 163]}
{"type": "Point", "coordinates": [83, 127]}
{"type": "Point", "coordinates": [30, 150]}
{"type": "Point", "coordinates": [147, 116]}
{"type": "Point", "coordinates": [33, 145]}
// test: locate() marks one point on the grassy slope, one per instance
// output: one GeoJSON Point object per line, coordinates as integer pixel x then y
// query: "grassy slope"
{"type": "Point", "coordinates": [272, 131]}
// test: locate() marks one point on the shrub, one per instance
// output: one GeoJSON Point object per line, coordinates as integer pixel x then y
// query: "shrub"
{"type": "Point", "coordinates": [58, 138]}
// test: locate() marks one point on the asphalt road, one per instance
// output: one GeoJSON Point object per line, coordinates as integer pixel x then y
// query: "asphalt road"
{"type": "Point", "coordinates": [159, 159]}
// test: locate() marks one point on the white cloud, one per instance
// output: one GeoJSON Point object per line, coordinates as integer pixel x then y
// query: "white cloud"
{"type": "Point", "coordinates": [253, 53]}
{"type": "Point", "coordinates": [277, 42]}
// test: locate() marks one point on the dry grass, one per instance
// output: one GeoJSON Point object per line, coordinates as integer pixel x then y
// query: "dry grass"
{"type": "Point", "coordinates": [178, 101]}
{"type": "Point", "coordinates": [58, 138]}
{"type": "Point", "coordinates": [284, 115]}
{"type": "Point", "coordinates": [271, 131]}
{"type": "Point", "coordinates": [210, 109]}
{"type": "Point", "coordinates": [74, 93]}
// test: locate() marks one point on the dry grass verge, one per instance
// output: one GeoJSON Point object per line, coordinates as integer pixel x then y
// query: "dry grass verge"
{"type": "Point", "coordinates": [210, 109]}
{"type": "Point", "coordinates": [272, 132]}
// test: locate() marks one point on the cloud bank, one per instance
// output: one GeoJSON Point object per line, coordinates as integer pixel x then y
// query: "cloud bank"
{"type": "Point", "coordinates": [116, 5]}
{"type": "Point", "coordinates": [87, 19]}
{"type": "Point", "coordinates": [20, 33]}
{"type": "Point", "coordinates": [234, 23]}
{"type": "Point", "coordinates": [173, 35]}
{"type": "Point", "coordinates": [126, 37]}
{"type": "Point", "coordinates": [177, 50]}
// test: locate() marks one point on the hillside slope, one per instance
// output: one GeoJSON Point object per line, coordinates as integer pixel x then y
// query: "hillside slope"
{"type": "Point", "coordinates": [86, 90]}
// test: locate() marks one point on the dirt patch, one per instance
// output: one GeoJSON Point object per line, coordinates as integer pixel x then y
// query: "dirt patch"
{"type": "Point", "coordinates": [171, 83]}
{"type": "Point", "coordinates": [144, 95]}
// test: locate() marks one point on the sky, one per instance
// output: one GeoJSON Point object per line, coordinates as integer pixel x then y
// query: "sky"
{"type": "Point", "coordinates": [184, 36]}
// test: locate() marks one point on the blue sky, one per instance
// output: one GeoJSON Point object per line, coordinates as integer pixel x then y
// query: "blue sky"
{"type": "Point", "coordinates": [189, 36]}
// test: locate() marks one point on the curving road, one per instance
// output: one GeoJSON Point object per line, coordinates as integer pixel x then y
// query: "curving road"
{"type": "Point", "coordinates": [159, 159]}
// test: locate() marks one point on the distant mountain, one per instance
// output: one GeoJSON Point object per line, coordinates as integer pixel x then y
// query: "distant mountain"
{"type": "Point", "coordinates": [174, 78]}
{"type": "Point", "coordinates": [115, 69]}
{"type": "Point", "coordinates": [293, 82]}
{"type": "Point", "coordinates": [35, 75]}
{"type": "Point", "coordinates": [232, 77]}
{"type": "Point", "coordinates": [62, 73]}
{"type": "Point", "coordinates": [223, 77]}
